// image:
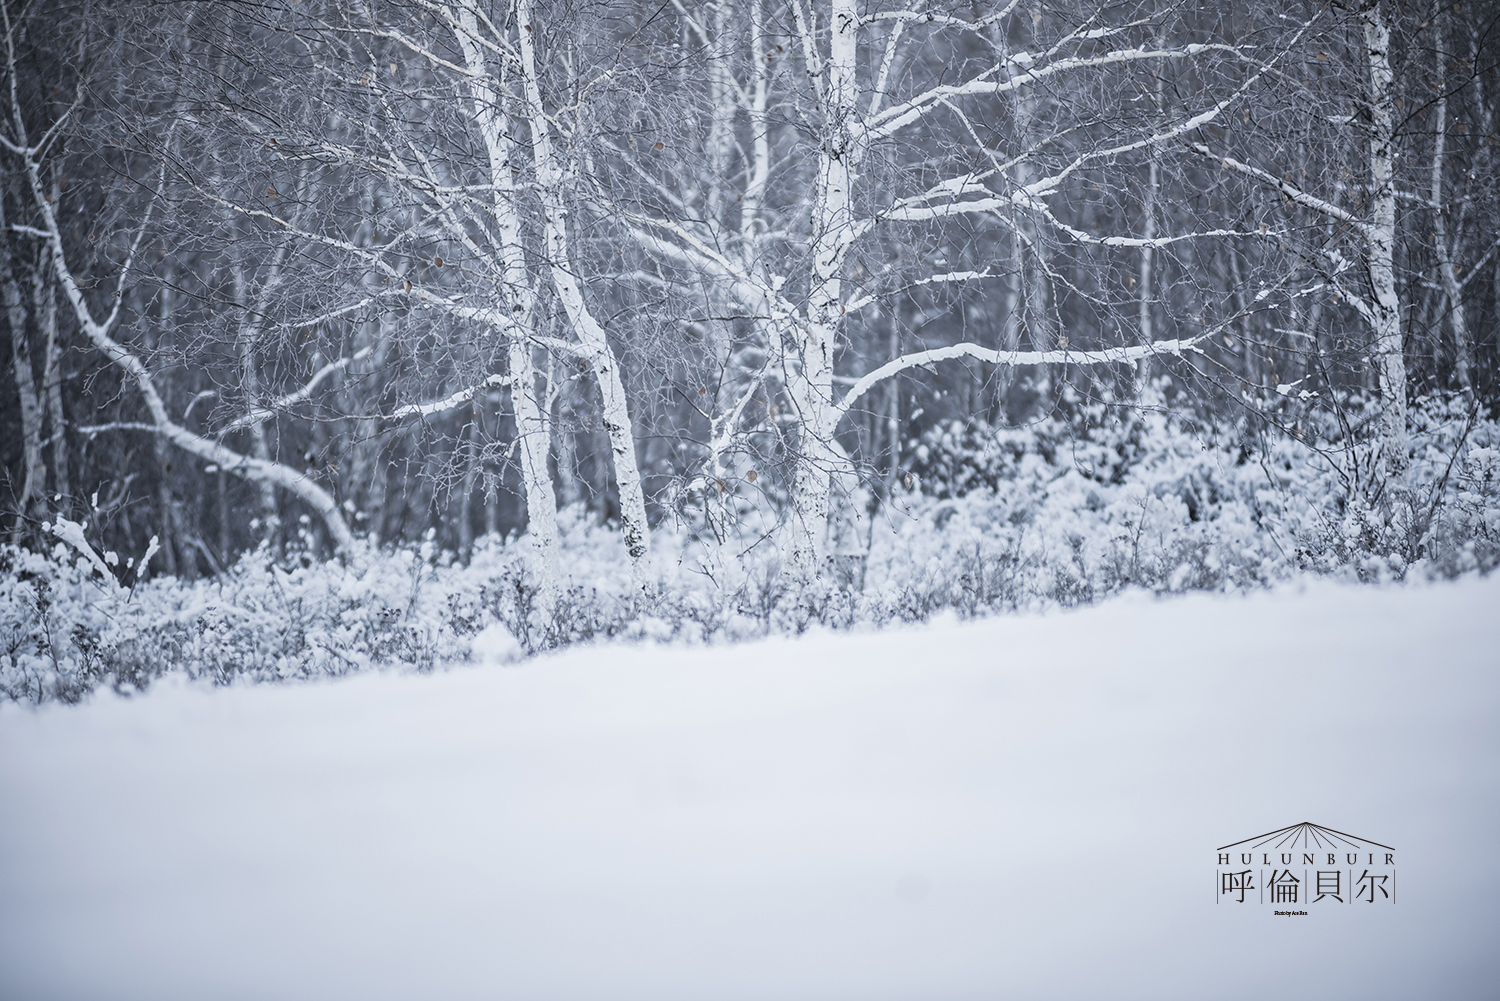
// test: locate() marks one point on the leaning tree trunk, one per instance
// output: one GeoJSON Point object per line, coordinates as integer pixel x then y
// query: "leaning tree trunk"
{"type": "Point", "coordinates": [98, 332]}
{"type": "Point", "coordinates": [606, 368]}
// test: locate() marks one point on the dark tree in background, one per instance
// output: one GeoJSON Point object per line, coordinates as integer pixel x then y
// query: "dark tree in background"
{"type": "Point", "coordinates": [291, 273]}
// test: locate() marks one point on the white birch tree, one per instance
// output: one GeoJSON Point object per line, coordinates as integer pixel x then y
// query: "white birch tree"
{"type": "Point", "coordinates": [849, 84]}
{"type": "Point", "coordinates": [507, 214]}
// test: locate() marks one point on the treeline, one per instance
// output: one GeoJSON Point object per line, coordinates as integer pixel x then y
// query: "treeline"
{"type": "Point", "coordinates": [291, 273]}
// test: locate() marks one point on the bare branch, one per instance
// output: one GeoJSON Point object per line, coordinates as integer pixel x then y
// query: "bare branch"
{"type": "Point", "coordinates": [284, 403]}
{"type": "Point", "coordinates": [1063, 356]}
{"type": "Point", "coordinates": [1286, 187]}
{"type": "Point", "coordinates": [447, 403]}
{"type": "Point", "coordinates": [894, 119]}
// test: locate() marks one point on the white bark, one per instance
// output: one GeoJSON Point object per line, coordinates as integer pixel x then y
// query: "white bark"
{"type": "Point", "coordinates": [893, 403]}
{"type": "Point", "coordinates": [450, 402]}
{"type": "Point", "coordinates": [532, 430]}
{"type": "Point", "coordinates": [896, 118]}
{"type": "Point", "coordinates": [798, 318]}
{"type": "Point", "coordinates": [1380, 255]}
{"type": "Point", "coordinates": [1148, 249]}
{"type": "Point", "coordinates": [809, 369]}
{"type": "Point", "coordinates": [751, 224]}
{"type": "Point", "coordinates": [616, 415]}
{"type": "Point", "coordinates": [298, 395]}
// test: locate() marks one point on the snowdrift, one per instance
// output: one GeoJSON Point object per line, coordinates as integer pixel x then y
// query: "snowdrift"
{"type": "Point", "coordinates": [1023, 807]}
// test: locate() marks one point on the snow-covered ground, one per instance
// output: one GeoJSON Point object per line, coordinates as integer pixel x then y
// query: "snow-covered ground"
{"type": "Point", "coordinates": [1018, 808]}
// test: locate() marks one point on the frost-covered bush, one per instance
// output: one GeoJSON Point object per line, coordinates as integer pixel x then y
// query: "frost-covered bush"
{"type": "Point", "coordinates": [1069, 510]}
{"type": "Point", "coordinates": [1059, 513]}
{"type": "Point", "coordinates": [67, 627]}
{"type": "Point", "coordinates": [68, 624]}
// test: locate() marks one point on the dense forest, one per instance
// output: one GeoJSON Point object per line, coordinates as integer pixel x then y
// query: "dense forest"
{"type": "Point", "coordinates": [307, 279]}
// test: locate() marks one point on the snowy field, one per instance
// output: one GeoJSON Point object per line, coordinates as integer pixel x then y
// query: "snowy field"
{"type": "Point", "coordinates": [1018, 808]}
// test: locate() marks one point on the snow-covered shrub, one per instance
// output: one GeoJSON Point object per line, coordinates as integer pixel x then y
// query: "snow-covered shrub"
{"type": "Point", "coordinates": [1059, 513]}
{"type": "Point", "coordinates": [67, 627]}
{"type": "Point", "coordinates": [49, 626]}
{"type": "Point", "coordinates": [1069, 510]}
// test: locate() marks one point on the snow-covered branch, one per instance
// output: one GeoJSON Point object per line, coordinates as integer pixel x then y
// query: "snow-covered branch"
{"type": "Point", "coordinates": [283, 403]}
{"type": "Point", "coordinates": [100, 334]}
{"type": "Point", "coordinates": [898, 117]}
{"type": "Point", "coordinates": [1061, 356]}
{"type": "Point", "coordinates": [1483, 260]}
{"type": "Point", "coordinates": [90, 430]}
{"type": "Point", "coordinates": [450, 402]}
{"type": "Point", "coordinates": [904, 17]}
{"type": "Point", "coordinates": [401, 39]}
{"type": "Point", "coordinates": [1286, 187]}
{"type": "Point", "coordinates": [340, 311]}
{"type": "Point", "coordinates": [722, 428]}
{"type": "Point", "coordinates": [863, 299]}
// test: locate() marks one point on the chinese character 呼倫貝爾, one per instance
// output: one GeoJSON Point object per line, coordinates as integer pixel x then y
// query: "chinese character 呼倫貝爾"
{"type": "Point", "coordinates": [1283, 887]}
{"type": "Point", "coordinates": [1240, 881]}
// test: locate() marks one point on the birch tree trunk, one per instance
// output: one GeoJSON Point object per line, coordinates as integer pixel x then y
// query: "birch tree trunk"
{"type": "Point", "coordinates": [44, 298]}
{"type": "Point", "coordinates": [533, 436]}
{"type": "Point", "coordinates": [798, 316]}
{"type": "Point", "coordinates": [248, 334]}
{"type": "Point", "coordinates": [171, 543]}
{"type": "Point", "coordinates": [1148, 233]}
{"type": "Point", "coordinates": [532, 431]}
{"type": "Point", "coordinates": [893, 407]}
{"type": "Point", "coordinates": [616, 415]}
{"type": "Point", "coordinates": [1452, 289]}
{"type": "Point", "coordinates": [1385, 305]}
{"type": "Point", "coordinates": [34, 473]}
{"type": "Point", "coordinates": [810, 375]}
{"type": "Point", "coordinates": [466, 490]}
{"type": "Point", "coordinates": [1144, 303]}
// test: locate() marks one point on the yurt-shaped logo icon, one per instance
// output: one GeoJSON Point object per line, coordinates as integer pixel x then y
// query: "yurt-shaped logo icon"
{"type": "Point", "coordinates": [1305, 865]}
